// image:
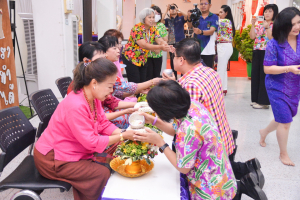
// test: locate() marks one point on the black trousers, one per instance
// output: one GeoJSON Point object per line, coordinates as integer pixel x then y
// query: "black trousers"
{"type": "Point", "coordinates": [135, 73]}
{"type": "Point", "coordinates": [172, 64]}
{"type": "Point", "coordinates": [208, 60]}
{"type": "Point", "coordinates": [153, 68]}
{"type": "Point", "coordinates": [258, 87]}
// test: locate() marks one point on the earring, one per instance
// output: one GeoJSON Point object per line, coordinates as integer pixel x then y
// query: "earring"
{"type": "Point", "coordinates": [94, 87]}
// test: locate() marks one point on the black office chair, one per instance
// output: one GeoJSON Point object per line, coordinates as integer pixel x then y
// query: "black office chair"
{"type": "Point", "coordinates": [16, 134]}
{"type": "Point", "coordinates": [63, 84]}
{"type": "Point", "coordinates": [44, 103]}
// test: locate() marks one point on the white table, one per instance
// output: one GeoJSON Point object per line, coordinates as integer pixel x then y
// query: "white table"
{"type": "Point", "coordinates": [163, 182]}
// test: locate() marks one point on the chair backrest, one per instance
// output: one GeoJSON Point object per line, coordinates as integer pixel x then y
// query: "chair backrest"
{"type": "Point", "coordinates": [44, 103]}
{"type": "Point", "coordinates": [16, 134]}
{"type": "Point", "coordinates": [63, 84]}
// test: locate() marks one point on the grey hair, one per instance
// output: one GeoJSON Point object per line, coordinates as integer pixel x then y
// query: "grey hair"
{"type": "Point", "coordinates": [144, 13]}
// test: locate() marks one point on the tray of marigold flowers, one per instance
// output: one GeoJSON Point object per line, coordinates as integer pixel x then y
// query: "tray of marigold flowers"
{"type": "Point", "coordinates": [133, 158]}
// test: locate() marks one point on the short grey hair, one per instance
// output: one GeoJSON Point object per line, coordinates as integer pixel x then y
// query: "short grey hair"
{"type": "Point", "coordinates": [144, 13]}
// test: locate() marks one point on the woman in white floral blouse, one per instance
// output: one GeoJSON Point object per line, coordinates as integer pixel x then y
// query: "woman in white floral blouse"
{"type": "Point", "coordinates": [261, 34]}
{"type": "Point", "coordinates": [226, 32]}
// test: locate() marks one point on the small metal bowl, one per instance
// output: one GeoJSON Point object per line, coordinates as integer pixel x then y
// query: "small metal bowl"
{"type": "Point", "coordinates": [168, 72]}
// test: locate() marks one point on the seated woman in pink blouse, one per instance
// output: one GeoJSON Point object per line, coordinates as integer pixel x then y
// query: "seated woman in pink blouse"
{"type": "Point", "coordinates": [77, 129]}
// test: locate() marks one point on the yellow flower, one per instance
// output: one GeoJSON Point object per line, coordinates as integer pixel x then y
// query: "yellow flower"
{"type": "Point", "coordinates": [144, 147]}
{"type": "Point", "coordinates": [145, 144]}
{"type": "Point", "coordinates": [125, 151]}
{"type": "Point", "coordinates": [133, 151]}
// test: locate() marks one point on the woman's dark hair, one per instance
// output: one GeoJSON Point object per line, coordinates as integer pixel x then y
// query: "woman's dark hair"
{"type": "Point", "coordinates": [229, 16]}
{"type": "Point", "coordinates": [114, 32]}
{"type": "Point", "coordinates": [169, 100]}
{"type": "Point", "coordinates": [88, 50]}
{"type": "Point", "coordinates": [190, 50]}
{"type": "Point", "coordinates": [108, 41]}
{"type": "Point", "coordinates": [274, 7]}
{"type": "Point", "coordinates": [283, 24]}
{"type": "Point", "coordinates": [157, 9]}
{"type": "Point", "coordinates": [98, 69]}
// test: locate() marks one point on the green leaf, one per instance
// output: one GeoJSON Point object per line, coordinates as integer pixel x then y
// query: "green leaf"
{"type": "Point", "coordinates": [215, 160]}
{"type": "Point", "coordinates": [188, 136]}
{"type": "Point", "coordinates": [188, 157]}
{"type": "Point", "coordinates": [204, 129]}
{"type": "Point", "coordinates": [202, 194]}
{"type": "Point", "coordinates": [214, 180]}
{"type": "Point", "coordinates": [218, 198]}
{"type": "Point", "coordinates": [228, 185]}
{"type": "Point", "coordinates": [222, 166]}
{"type": "Point", "coordinates": [148, 161]}
{"type": "Point", "coordinates": [201, 169]}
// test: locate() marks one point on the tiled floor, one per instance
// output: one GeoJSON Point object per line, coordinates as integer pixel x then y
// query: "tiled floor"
{"type": "Point", "coordinates": [282, 182]}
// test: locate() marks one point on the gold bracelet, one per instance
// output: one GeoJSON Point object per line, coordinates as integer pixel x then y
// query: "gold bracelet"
{"type": "Point", "coordinates": [121, 137]}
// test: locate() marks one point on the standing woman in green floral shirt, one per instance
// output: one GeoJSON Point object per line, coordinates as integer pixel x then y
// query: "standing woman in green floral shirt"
{"type": "Point", "coordinates": [140, 43]}
{"type": "Point", "coordinates": [155, 57]}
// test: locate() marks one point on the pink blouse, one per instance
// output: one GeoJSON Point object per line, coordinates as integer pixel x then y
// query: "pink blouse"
{"type": "Point", "coordinates": [72, 132]}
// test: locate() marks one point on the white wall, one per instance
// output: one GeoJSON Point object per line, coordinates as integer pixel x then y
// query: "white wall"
{"type": "Point", "coordinates": [52, 35]}
{"type": "Point", "coordinates": [106, 15]}
{"type": "Point", "coordinates": [128, 17]}
{"type": "Point", "coordinates": [22, 45]}
{"type": "Point", "coordinates": [140, 5]}
{"type": "Point", "coordinates": [184, 7]}
{"type": "Point", "coordinates": [283, 4]}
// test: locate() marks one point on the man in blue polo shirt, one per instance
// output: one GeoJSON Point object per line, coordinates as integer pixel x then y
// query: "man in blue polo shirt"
{"type": "Point", "coordinates": [175, 25]}
{"type": "Point", "coordinates": [206, 32]}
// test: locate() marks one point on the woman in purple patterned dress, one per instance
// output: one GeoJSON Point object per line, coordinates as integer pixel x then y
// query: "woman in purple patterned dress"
{"type": "Point", "coordinates": [282, 63]}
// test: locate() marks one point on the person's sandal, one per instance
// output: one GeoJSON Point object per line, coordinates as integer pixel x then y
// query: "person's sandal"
{"type": "Point", "coordinates": [258, 106]}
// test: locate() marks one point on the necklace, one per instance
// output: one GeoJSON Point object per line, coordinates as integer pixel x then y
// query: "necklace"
{"type": "Point", "coordinates": [95, 109]}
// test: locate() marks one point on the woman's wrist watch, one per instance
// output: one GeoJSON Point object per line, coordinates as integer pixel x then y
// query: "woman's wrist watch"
{"type": "Point", "coordinates": [162, 148]}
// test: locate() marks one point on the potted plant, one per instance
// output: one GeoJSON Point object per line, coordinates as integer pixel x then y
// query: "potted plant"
{"type": "Point", "coordinates": [246, 48]}
{"type": "Point", "coordinates": [236, 43]}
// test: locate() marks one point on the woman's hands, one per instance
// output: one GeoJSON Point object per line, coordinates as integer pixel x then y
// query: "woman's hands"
{"type": "Point", "coordinates": [130, 110]}
{"type": "Point", "coordinates": [150, 136]}
{"type": "Point", "coordinates": [155, 81]}
{"type": "Point", "coordinates": [294, 69]}
{"type": "Point", "coordinates": [253, 21]}
{"type": "Point", "coordinates": [165, 47]}
{"type": "Point", "coordinates": [149, 119]}
{"type": "Point", "coordinates": [129, 134]}
{"type": "Point", "coordinates": [266, 25]}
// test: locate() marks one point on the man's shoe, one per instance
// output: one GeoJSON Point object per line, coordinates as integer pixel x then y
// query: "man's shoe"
{"type": "Point", "coordinates": [253, 103]}
{"type": "Point", "coordinates": [258, 106]}
{"type": "Point", "coordinates": [251, 189]}
{"type": "Point", "coordinates": [235, 134]}
{"type": "Point", "coordinates": [253, 165]}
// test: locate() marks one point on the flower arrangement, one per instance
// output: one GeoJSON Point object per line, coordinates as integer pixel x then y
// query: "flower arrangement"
{"type": "Point", "coordinates": [135, 150]}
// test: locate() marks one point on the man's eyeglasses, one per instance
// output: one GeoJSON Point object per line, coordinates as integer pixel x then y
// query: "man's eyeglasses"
{"type": "Point", "coordinates": [204, 4]}
{"type": "Point", "coordinates": [179, 57]}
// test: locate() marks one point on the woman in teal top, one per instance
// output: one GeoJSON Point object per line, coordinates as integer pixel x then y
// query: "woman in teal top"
{"type": "Point", "coordinates": [155, 57]}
